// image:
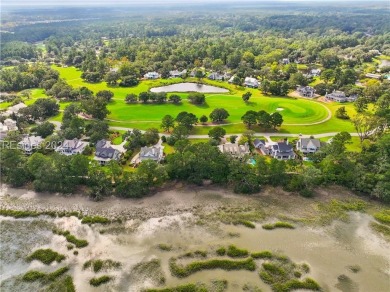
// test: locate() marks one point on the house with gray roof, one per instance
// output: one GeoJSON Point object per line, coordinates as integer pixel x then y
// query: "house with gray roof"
{"type": "Point", "coordinates": [71, 147]}
{"type": "Point", "coordinates": [308, 145]}
{"type": "Point", "coordinates": [251, 82]}
{"type": "Point", "coordinates": [177, 73]}
{"type": "Point", "coordinates": [30, 143]}
{"type": "Point", "coordinates": [106, 152]}
{"type": "Point", "coordinates": [234, 149]}
{"type": "Point", "coordinates": [340, 96]}
{"type": "Point", "coordinates": [151, 153]}
{"type": "Point", "coordinates": [261, 145]}
{"type": "Point", "coordinates": [282, 151]}
{"type": "Point", "coordinates": [218, 76]}
{"type": "Point", "coordinates": [306, 91]}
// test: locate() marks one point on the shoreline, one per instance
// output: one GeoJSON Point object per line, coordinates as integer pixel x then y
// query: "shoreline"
{"type": "Point", "coordinates": [180, 198]}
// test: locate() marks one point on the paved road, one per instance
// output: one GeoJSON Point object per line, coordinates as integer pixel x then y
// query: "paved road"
{"type": "Point", "coordinates": [266, 135]}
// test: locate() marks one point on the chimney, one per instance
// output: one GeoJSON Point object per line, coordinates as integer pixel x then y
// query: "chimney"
{"type": "Point", "coordinates": [286, 141]}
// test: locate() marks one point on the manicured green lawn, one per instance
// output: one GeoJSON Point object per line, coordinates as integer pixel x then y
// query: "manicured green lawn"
{"type": "Point", "coordinates": [144, 116]}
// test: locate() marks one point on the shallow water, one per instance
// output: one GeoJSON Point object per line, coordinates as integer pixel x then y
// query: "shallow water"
{"type": "Point", "coordinates": [189, 87]}
{"type": "Point", "coordinates": [329, 251]}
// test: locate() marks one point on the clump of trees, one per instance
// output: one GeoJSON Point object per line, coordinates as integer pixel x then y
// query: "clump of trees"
{"type": "Point", "coordinates": [262, 119]}
{"type": "Point", "coordinates": [152, 97]}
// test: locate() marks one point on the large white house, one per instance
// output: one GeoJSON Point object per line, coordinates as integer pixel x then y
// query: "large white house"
{"type": "Point", "coordinates": [340, 96]}
{"type": "Point", "coordinates": [152, 75]}
{"type": "Point", "coordinates": [71, 147]}
{"type": "Point", "coordinates": [251, 82]}
{"type": "Point", "coordinates": [308, 145]}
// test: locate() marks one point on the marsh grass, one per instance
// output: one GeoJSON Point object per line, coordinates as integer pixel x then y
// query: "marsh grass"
{"type": "Point", "coordinates": [100, 280]}
{"type": "Point", "coordinates": [283, 275]}
{"type": "Point", "coordinates": [380, 228]}
{"type": "Point", "coordinates": [278, 224]}
{"type": "Point", "coordinates": [182, 288]}
{"type": "Point", "coordinates": [181, 271]}
{"type": "Point", "coordinates": [26, 213]}
{"type": "Point", "coordinates": [245, 223]}
{"type": "Point", "coordinates": [338, 210]}
{"type": "Point", "coordinates": [150, 270]}
{"type": "Point", "coordinates": [235, 252]}
{"type": "Point", "coordinates": [383, 216]}
{"type": "Point", "coordinates": [94, 220]}
{"type": "Point", "coordinates": [164, 247]}
{"type": "Point", "coordinates": [262, 255]}
{"type": "Point", "coordinates": [79, 243]}
{"type": "Point", "coordinates": [33, 275]}
{"type": "Point", "coordinates": [46, 256]}
{"type": "Point", "coordinates": [98, 265]}
{"type": "Point", "coordinates": [63, 284]}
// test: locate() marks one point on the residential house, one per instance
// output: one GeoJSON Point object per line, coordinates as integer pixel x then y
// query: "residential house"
{"type": "Point", "coordinates": [376, 52]}
{"type": "Point", "coordinates": [315, 72]}
{"type": "Point", "coordinates": [14, 109]}
{"type": "Point", "coordinates": [231, 79]}
{"type": "Point", "coordinates": [306, 91]}
{"type": "Point", "coordinates": [71, 147]}
{"type": "Point", "coordinates": [7, 126]}
{"type": "Point", "coordinates": [153, 153]}
{"type": "Point", "coordinates": [106, 152]}
{"type": "Point", "coordinates": [262, 146]}
{"type": "Point", "coordinates": [258, 143]}
{"type": "Point", "coordinates": [375, 76]}
{"type": "Point", "coordinates": [29, 143]}
{"type": "Point", "coordinates": [285, 61]}
{"type": "Point", "coordinates": [152, 75]}
{"type": "Point", "coordinates": [218, 76]}
{"type": "Point", "coordinates": [338, 96]}
{"type": "Point", "coordinates": [176, 73]}
{"type": "Point", "coordinates": [10, 124]}
{"type": "Point", "coordinates": [308, 145]}
{"type": "Point", "coordinates": [234, 149]}
{"type": "Point", "coordinates": [282, 151]}
{"type": "Point", "coordinates": [251, 82]}
{"type": "Point", "coordinates": [193, 72]}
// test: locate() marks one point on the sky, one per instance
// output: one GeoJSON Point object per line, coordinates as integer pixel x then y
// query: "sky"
{"type": "Point", "coordinates": [30, 3]}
